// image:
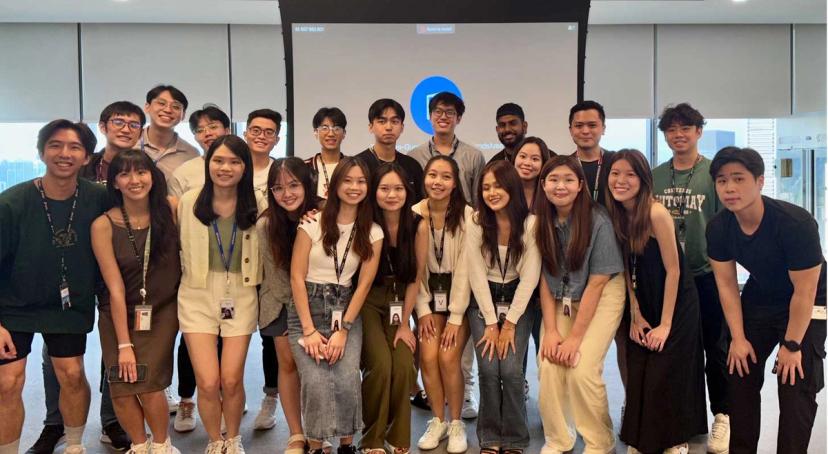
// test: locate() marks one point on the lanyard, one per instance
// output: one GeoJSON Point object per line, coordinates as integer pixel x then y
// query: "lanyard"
{"type": "Point", "coordinates": [391, 268]}
{"type": "Point", "coordinates": [564, 265]}
{"type": "Point", "coordinates": [683, 199]}
{"type": "Point", "coordinates": [339, 267]}
{"type": "Point", "coordinates": [324, 169]}
{"type": "Point", "coordinates": [503, 269]}
{"type": "Point", "coordinates": [225, 260]}
{"type": "Point", "coordinates": [60, 239]}
{"type": "Point", "coordinates": [99, 175]}
{"type": "Point", "coordinates": [438, 253]}
{"type": "Point", "coordinates": [633, 272]}
{"type": "Point", "coordinates": [597, 172]}
{"type": "Point", "coordinates": [144, 262]}
{"type": "Point", "coordinates": [454, 145]}
{"type": "Point", "coordinates": [376, 156]}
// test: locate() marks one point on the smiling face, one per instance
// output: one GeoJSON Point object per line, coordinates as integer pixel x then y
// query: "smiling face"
{"type": "Point", "coordinates": [391, 192]}
{"type": "Point", "coordinates": [262, 134]}
{"type": "Point", "coordinates": [737, 188]}
{"type": "Point", "coordinates": [623, 182]}
{"type": "Point", "coordinates": [164, 111]}
{"type": "Point", "coordinates": [330, 135]}
{"type": "Point", "coordinates": [288, 191]}
{"type": "Point", "coordinates": [444, 118]}
{"type": "Point", "coordinates": [682, 138]}
{"type": "Point", "coordinates": [495, 196]}
{"type": "Point", "coordinates": [586, 129]}
{"type": "Point", "coordinates": [122, 131]}
{"type": "Point", "coordinates": [354, 186]}
{"type": "Point", "coordinates": [510, 130]}
{"type": "Point", "coordinates": [208, 131]}
{"type": "Point", "coordinates": [134, 184]}
{"type": "Point", "coordinates": [528, 161]}
{"type": "Point", "coordinates": [64, 154]}
{"type": "Point", "coordinates": [439, 180]}
{"type": "Point", "coordinates": [561, 186]}
{"type": "Point", "coordinates": [226, 169]}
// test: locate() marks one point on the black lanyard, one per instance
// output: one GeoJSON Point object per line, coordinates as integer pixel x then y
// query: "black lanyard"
{"type": "Point", "coordinates": [324, 169]}
{"type": "Point", "coordinates": [454, 145]}
{"type": "Point", "coordinates": [633, 272]}
{"type": "Point", "coordinates": [438, 253]}
{"type": "Point", "coordinates": [391, 268]}
{"type": "Point", "coordinates": [564, 264]}
{"type": "Point", "coordinates": [682, 197]}
{"type": "Point", "coordinates": [503, 269]}
{"type": "Point", "coordinates": [60, 239]}
{"type": "Point", "coordinates": [597, 172]}
{"type": "Point", "coordinates": [226, 260]}
{"type": "Point", "coordinates": [142, 261]}
{"type": "Point", "coordinates": [339, 267]}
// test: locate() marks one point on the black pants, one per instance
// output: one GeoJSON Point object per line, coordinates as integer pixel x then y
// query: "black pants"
{"type": "Point", "coordinates": [714, 338]}
{"type": "Point", "coordinates": [270, 366]}
{"type": "Point", "coordinates": [765, 328]}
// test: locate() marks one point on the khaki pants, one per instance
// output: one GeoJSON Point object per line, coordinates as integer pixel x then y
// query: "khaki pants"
{"type": "Point", "coordinates": [578, 394]}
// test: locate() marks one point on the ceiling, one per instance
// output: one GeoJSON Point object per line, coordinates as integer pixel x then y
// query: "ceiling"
{"type": "Point", "coordinates": [266, 11]}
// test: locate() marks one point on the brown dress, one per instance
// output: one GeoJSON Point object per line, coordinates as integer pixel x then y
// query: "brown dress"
{"type": "Point", "coordinates": [154, 347]}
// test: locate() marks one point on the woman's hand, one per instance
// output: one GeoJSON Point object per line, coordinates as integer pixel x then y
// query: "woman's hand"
{"type": "Point", "coordinates": [657, 337]}
{"type": "Point", "coordinates": [335, 349]}
{"type": "Point", "coordinates": [126, 365]}
{"type": "Point", "coordinates": [549, 347]}
{"type": "Point", "coordinates": [315, 345]}
{"type": "Point", "coordinates": [506, 339]}
{"type": "Point", "coordinates": [489, 341]}
{"type": "Point", "coordinates": [639, 329]}
{"type": "Point", "coordinates": [405, 334]}
{"type": "Point", "coordinates": [568, 351]}
{"type": "Point", "coordinates": [449, 338]}
{"type": "Point", "coordinates": [425, 328]}
{"type": "Point", "coordinates": [309, 217]}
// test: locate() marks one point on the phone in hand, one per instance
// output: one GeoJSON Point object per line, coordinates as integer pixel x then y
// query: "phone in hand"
{"type": "Point", "coordinates": [112, 376]}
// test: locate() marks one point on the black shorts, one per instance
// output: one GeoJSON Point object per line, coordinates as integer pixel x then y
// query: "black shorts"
{"type": "Point", "coordinates": [278, 327]}
{"type": "Point", "coordinates": [58, 345]}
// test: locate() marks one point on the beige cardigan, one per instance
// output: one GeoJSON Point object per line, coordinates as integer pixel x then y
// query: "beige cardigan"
{"type": "Point", "coordinates": [195, 247]}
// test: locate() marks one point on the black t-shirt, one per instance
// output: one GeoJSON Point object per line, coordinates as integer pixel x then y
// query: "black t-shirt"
{"type": "Point", "coordinates": [787, 240]}
{"type": "Point", "coordinates": [501, 155]}
{"type": "Point", "coordinates": [412, 168]}
{"type": "Point", "coordinates": [590, 172]}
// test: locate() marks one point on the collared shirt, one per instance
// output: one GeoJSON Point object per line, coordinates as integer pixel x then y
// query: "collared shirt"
{"type": "Point", "coordinates": [469, 161]}
{"type": "Point", "coordinates": [167, 156]}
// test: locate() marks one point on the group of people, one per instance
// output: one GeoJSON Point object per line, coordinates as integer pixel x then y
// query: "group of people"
{"type": "Point", "coordinates": [332, 257]}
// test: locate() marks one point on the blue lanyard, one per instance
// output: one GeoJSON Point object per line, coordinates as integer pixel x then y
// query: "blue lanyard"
{"type": "Point", "coordinates": [225, 260]}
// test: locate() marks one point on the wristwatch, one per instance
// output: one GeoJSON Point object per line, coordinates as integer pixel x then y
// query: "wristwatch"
{"type": "Point", "coordinates": [347, 325]}
{"type": "Point", "coordinates": [792, 346]}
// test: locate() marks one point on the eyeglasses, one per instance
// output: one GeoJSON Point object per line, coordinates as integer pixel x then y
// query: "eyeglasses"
{"type": "Point", "coordinates": [257, 131]}
{"type": "Point", "coordinates": [120, 123]}
{"type": "Point", "coordinates": [324, 129]}
{"type": "Point", "coordinates": [175, 106]}
{"type": "Point", "coordinates": [437, 113]}
{"type": "Point", "coordinates": [293, 188]}
{"type": "Point", "coordinates": [212, 127]}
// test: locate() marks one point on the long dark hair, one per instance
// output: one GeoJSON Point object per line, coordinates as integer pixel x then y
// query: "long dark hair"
{"type": "Point", "coordinates": [365, 216]}
{"type": "Point", "coordinates": [457, 201]}
{"type": "Point", "coordinates": [632, 229]}
{"type": "Point", "coordinates": [517, 211]}
{"type": "Point", "coordinates": [281, 229]}
{"type": "Point", "coordinates": [546, 153]}
{"type": "Point", "coordinates": [405, 265]}
{"type": "Point", "coordinates": [246, 208]}
{"type": "Point", "coordinates": [164, 232]}
{"type": "Point", "coordinates": [580, 220]}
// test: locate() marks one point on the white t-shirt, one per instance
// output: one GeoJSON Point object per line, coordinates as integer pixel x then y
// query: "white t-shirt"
{"type": "Point", "coordinates": [186, 177]}
{"type": "Point", "coordinates": [321, 184]}
{"type": "Point", "coordinates": [260, 178]}
{"type": "Point", "coordinates": [321, 266]}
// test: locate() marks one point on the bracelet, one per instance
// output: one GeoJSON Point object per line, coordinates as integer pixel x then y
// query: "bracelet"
{"type": "Point", "coordinates": [123, 346]}
{"type": "Point", "coordinates": [311, 333]}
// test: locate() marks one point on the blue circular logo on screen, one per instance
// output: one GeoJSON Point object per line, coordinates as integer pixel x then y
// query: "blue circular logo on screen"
{"type": "Point", "coordinates": [422, 94]}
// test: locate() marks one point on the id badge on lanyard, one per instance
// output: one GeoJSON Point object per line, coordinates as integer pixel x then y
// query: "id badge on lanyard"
{"type": "Point", "coordinates": [501, 309]}
{"type": "Point", "coordinates": [440, 301]}
{"type": "Point", "coordinates": [143, 317]}
{"type": "Point", "coordinates": [566, 300]}
{"type": "Point", "coordinates": [395, 312]}
{"type": "Point", "coordinates": [65, 302]}
{"type": "Point", "coordinates": [228, 305]}
{"type": "Point", "coordinates": [336, 320]}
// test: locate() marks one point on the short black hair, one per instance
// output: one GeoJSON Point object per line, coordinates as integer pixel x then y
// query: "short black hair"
{"type": "Point", "coordinates": [176, 94]}
{"type": "Point", "coordinates": [122, 108]}
{"type": "Point", "coordinates": [448, 98]}
{"type": "Point", "coordinates": [510, 108]}
{"type": "Point", "coordinates": [587, 105]}
{"type": "Point", "coordinates": [211, 112]}
{"type": "Point", "coordinates": [335, 114]}
{"type": "Point", "coordinates": [86, 136]}
{"type": "Point", "coordinates": [748, 157]}
{"type": "Point", "coordinates": [379, 106]}
{"type": "Point", "coordinates": [684, 114]}
{"type": "Point", "coordinates": [270, 114]}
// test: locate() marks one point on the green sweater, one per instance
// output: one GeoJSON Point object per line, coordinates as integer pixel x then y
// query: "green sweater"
{"type": "Point", "coordinates": [30, 265]}
{"type": "Point", "coordinates": [700, 204]}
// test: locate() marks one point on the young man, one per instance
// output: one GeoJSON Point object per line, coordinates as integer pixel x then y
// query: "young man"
{"type": "Point", "coordinates": [262, 135]}
{"type": "Point", "coordinates": [511, 129]}
{"type": "Point", "coordinates": [166, 106]}
{"type": "Point", "coordinates": [783, 302]}
{"type": "Point", "coordinates": [685, 187]}
{"type": "Point", "coordinates": [207, 125]}
{"type": "Point", "coordinates": [446, 111]}
{"type": "Point", "coordinates": [45, 239]}
{"type": "Point", "coordinates": [385, 122]}
{"type": "Point", "coordinates": [121, 122]}
{"type": "Point", "coordinates": [329, 127]}
{"type": "Point", "coordinates": [586, 126]}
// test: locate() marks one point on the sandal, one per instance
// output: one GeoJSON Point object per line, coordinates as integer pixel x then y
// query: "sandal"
{"type": "Point", "coordinates": [296, 438]}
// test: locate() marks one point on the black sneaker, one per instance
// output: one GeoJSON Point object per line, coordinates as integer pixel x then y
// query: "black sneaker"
{"type": "Point", "coordinates": [114, 435]}
{"type": "Point", "coordinates": [420, 400]}
{"type": "Point", "coordinates": [346, 449]}
{"type": "Point", "coordinates": [50, 437]}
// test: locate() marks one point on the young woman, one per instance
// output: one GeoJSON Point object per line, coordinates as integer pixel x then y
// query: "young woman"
{"type": "Point", "coordinates": [665, 365]}
{"type": "Point", "coordinates": [326, 255]}
{"type": "Point", "coordinates": [388, 343]}
{"type": "Point", "coordinates": [443, 336]}
{"type": "Point", "coordinates": [582, 299]}
{"type": "Point", "coordinates": [290, 195]}
{"type": "Point", "coordinates": [136, 246]}
{"type": "Point", "coordinates": [532, 154]}
{"type": "Point", "coordinates": [217, 297]}
{"type": "Point", "coordinates": [503, 269]}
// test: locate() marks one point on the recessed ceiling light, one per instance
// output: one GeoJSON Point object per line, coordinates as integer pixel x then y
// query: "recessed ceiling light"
{"type": "Point", "coordinates": [739, 1]}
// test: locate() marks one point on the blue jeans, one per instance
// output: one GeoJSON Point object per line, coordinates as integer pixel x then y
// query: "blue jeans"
{"type": "Point", "coordinates": [501, 420]}
{"type": "Point", "coordinates": [331, 396]}
{"type": "Point", "coordinates": [52, 387]}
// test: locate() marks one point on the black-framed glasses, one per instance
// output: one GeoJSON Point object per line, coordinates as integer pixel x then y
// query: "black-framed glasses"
{"type": "Point", "coordinates": [120, 123]}
{"type": "Point", "coordinates": [437, 113]}
{"type": "Point", "coordinates": [257, 131]}
{"type": "Point", "coordinates": [324, 129]}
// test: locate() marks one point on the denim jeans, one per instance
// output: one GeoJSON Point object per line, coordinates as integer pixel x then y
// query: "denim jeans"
{"type": "Point", "coordinates": [52, 387]}
{"type": "Point", "coordinates": [331, 396]}
{"type": "Point", "coordinates": [501, 420]}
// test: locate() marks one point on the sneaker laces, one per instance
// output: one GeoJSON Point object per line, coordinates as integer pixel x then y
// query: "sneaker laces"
{"type": "Point", "coordinates": [456, 428]}
{"type": "Point", "coordinates": [186, 410]}
{"type": "Point", "coordinates": [215, 447]}
{"type": "Point", "coordinates": [269, 404]}
{"type": "Point", "coordinates": [433, 426]}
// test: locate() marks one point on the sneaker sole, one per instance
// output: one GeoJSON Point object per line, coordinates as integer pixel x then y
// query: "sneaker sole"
{"type": "Point", "coordinates": [106, 440]}
{"type": "Point", "coordinates": [265, 427]}
{"type": "Point", "coordinates": [183, 431]}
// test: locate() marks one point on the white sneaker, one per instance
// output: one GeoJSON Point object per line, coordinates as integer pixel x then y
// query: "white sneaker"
{"type": "Point", "coordinates": [435, 432]}
{"type": "Point", "coordinates": [215, 447]}
{"type": "Point", "coordinates": [143, 448]}
{"type": "Point", "coordinates": [185, 417]}
{"type": "Point", "coordinates": [683, 448]}
{"type": "Point", "coordinates": [234, 445]}
{"type": "Point", "coordinates": [164, 448]}
{"type": "Point", "coordinates": [172, 403]}
{"type": "Point", "coordinates": [457, 442]}
{"type": "Point", "coordinates": [75, 449]}
{"type": "Point", "coordinates": [266, 418]}
{"type": "Point", "coordinates": [469, 410]}
{"type": "Point", "coordinates": [718, 442]}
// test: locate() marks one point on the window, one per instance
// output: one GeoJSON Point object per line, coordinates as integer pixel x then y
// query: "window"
{"type": "Point", "coordinates": [19, 160]}
{"type": "Point", "coordinates": [628, 133]}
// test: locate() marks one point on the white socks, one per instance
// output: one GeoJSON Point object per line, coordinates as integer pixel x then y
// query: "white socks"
{"type": "Point", "coordinates": [74, 435]}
